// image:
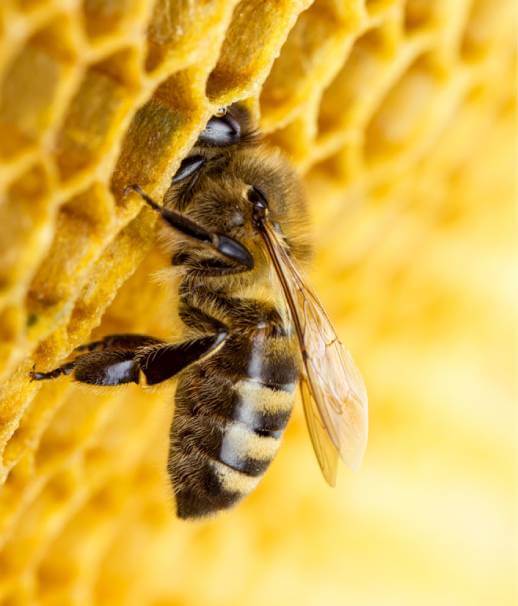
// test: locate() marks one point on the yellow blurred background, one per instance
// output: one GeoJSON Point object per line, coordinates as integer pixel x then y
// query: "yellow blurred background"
{"type": "Point", "coordinates": [402, 118]}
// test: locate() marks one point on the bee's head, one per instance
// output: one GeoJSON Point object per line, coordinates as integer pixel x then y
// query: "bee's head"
{"type": "Point", "coordinates": [250, 186]}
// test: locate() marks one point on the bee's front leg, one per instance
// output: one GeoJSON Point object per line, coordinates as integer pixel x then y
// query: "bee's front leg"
{"type": "Point", "coordinates": [226, 247]}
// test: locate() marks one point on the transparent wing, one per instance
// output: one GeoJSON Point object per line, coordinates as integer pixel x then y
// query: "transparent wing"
{"type": "Point", "coordinates": [333, 392]}
{"type": "Point", "coordinates": [325, 450]}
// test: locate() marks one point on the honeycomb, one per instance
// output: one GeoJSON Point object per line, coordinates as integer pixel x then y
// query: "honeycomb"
{"type": "Point", "coordinates": [400, 114]}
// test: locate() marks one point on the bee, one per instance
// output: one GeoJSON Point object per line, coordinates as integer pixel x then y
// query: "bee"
{"type": "Point", "coordinates": [253, 329]}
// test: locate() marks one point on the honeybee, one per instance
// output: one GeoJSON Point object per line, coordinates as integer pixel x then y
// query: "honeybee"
{"type": "Point", "coordinates": [253, 330]}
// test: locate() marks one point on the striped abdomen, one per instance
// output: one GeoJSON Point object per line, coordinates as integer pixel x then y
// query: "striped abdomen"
{"type": "Point", "coordinates": [231, 410]}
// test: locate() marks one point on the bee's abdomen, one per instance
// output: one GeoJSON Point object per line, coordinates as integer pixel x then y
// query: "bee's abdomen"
{"type": "Point", "coordinates": [227, 429]}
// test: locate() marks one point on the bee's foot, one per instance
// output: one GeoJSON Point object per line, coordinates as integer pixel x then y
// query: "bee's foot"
{"type": "Point", "coordinates": [66, 369]}
{"type": "Point", "coordinates": [39, 376]}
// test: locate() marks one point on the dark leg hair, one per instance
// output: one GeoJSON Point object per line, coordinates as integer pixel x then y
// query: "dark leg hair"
{"type": "Point", "coordinates": [119, 341]}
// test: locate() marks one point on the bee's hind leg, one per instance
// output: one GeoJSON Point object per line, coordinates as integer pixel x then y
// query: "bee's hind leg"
{"type": "Point", "coordinates": [160, 363]}
{"type": "Point", "coordinates": [150, 364]}
{"type": "Point", "coordinates": [126, 341]}
{"type": "Point", "coordinates": [101, 367]}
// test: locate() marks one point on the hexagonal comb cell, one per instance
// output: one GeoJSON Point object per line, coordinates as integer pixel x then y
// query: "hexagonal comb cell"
{"type": "Point", "coordinates": [309, 57]}
{"type": "Point", "coordinates": [160, 129]}
{"type": "Point", "coordinates": [114, 266]}
{"type": "Point", "coordinates": [297, 138]}
{"type": "Point", "coordinates": [242, 66]}
{"type": "Point", "coordinates": [419, 14]}
{"type": "Point", "coordinates": [44, 516]}
{"type": "Point", "coordinates": [96, 115]}
{"type": "Point", "coordinates": [346, 102]}
{"type": "Point", "coordinates": [24, 215]}
{"type": "Point", "coordinates": [31, 5]}
{"type": "Point", "coordinates": [31, 90]}
{"type": "Point", "coordinates": [12, 325]}
{"type": "Point", "coordinates": [485, 26]}
{"type": "Point", "coordinates": [110, 17]}
{"type": "Point", "coordinates": [377, 7]}
{"type": "Point", "coordinates": [80, 227]}
{"type": "Point", "coordinates": [344, 165]}
{"type": "Point", "coordinates": [180, 31]}
{"type": "Point", "coordinates": [406, 113]}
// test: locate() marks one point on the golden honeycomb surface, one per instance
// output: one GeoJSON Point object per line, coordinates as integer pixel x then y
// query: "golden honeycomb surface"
{"type": "Point", "coordinates": [401, 116]}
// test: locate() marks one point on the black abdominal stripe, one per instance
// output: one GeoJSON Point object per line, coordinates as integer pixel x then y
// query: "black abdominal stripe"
{"type": "Point", "coordinates": [232, 452]}
{"type": "Point", "coordinates": [246, 449]}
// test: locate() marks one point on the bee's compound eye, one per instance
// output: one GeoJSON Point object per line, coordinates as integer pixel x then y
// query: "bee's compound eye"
{"type": "Point", "coordinates": [220, 112]}
{"type": "Point", "coordinates": [257, 197]}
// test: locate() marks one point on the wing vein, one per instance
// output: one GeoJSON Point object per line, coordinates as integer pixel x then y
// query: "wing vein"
{"type": "Point", "coordinates": [333, 393]}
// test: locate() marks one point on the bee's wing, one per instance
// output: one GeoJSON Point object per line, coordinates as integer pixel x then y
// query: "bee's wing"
{"type": "Point", "coordinates": [325, 450]}
{"type": "Point", "coordinates": [333, 392]}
